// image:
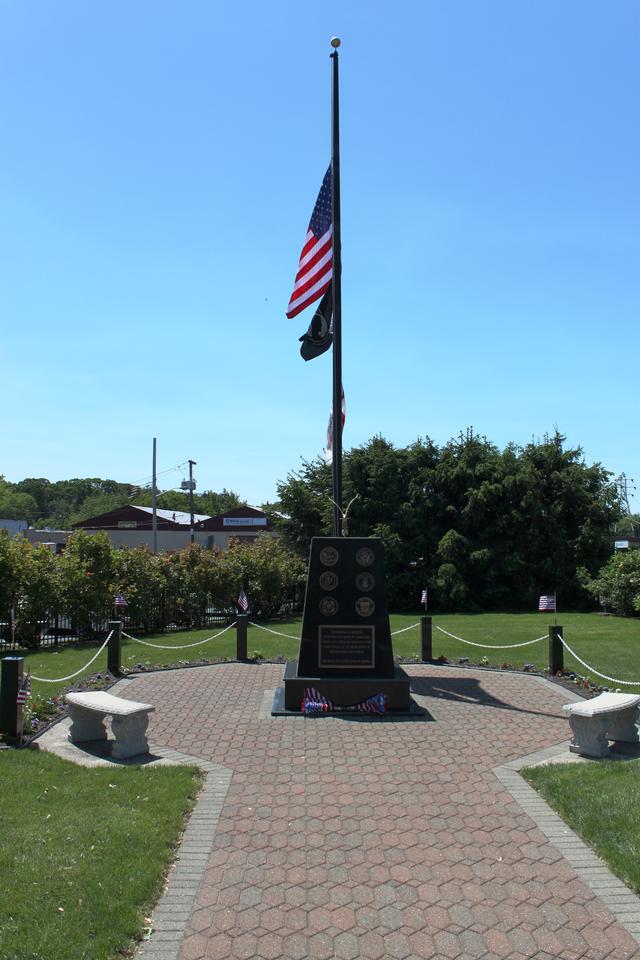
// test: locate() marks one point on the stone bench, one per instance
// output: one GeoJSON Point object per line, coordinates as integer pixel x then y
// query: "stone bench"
{"type": "Point", "coordinates": [129, 721]}
{"type": "Point", "coordinates": [610, 716]}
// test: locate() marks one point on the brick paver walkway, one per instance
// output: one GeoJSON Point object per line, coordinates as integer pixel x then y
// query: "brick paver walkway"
{"type": "Point", "coordinates": [351, 838]}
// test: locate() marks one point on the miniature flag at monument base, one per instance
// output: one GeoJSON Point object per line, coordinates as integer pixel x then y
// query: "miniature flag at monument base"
{"type": "Point", "coordinates": [547, 602]}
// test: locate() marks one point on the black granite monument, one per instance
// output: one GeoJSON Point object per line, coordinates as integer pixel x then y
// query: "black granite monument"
{"type": "Point", "coordinates": [345, 647]}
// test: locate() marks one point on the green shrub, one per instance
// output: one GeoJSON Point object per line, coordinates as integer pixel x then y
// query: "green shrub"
{"type": "Point", "coordinates": [617, 584]}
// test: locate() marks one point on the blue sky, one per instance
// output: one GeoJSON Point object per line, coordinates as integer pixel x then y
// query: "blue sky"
{"type": "Point", "coordinates": [158, 167]}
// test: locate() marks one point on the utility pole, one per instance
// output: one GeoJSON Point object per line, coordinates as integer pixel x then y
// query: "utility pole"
{"type": "Point", "coordinates": [192, 486]}
{"type": "Point", "coordinates": [623, 484]}
{"type": "Point", "coordinates": [154, 501]}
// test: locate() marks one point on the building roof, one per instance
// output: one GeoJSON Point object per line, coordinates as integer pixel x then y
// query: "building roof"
{"type": "Point", "coordinates": [140, 518]}
{"type": "Point", "coordinates": [238, 520]}
{"type": "Point", "coordinates": [176, 516]}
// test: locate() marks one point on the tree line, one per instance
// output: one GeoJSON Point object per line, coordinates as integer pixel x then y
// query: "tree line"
{"type": "Point", "coordinates": [81, 583]}
{"type": "Point", "coordinates": [481, 527]}
{"type": "Point", "coordinates": [60, 504]}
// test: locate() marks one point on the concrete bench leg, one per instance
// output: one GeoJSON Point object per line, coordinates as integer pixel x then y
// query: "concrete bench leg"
{"type": "Point", "coordinates": [589, 735]}
{"type": "Point", "coordinates": [131, 736]}
{"type": "Point", "coordinates": [622, 726]}
{"type": "Point", "coordinates": [85, 725]}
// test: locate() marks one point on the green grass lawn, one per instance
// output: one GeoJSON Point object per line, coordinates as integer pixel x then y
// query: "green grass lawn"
{"type": "Point", "coordinates": [83, 853]}
{"type": "Point", "coordinates": [600, 801]}
{"type": "Point", "coordinates": [609, 644]}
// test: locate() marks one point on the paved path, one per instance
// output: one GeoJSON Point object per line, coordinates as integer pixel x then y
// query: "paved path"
{"type": "Point", "coordinates": [352, 838]}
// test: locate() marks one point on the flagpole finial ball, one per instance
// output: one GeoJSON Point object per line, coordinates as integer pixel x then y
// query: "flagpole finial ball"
{"type": "Point", "coordinates": [335, 42]}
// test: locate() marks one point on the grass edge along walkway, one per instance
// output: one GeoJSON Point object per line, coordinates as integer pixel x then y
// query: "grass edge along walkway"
{"type": "Point", "coordinates": [600, 801]}
{"type": "Point", "coordinates": [84, 853]}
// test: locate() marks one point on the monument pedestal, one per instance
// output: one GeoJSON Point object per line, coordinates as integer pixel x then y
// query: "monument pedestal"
{"type": "Point", "coordinates": [342, 691]}
{"type": "Point", "coordinates": [345, 646]}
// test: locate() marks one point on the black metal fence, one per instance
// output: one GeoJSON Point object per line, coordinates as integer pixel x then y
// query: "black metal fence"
{"type": "Point", "coordinates": [60, 628]}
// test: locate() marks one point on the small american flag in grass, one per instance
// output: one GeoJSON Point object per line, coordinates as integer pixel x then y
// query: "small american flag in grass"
{"type": "Point", "coordinates": [24, 690]}
{"type": "Point", "coordinates": [547, 602]}
{"type": "Point", "coordinates": [243, 602]}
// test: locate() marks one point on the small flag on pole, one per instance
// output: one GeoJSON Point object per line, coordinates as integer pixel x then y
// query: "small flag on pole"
{"type": "Point", "coordinates": [119, 600]}
{"type": "Point", "coordinates": [315, 267]}
{"type": "Point", "coordinates": [243, 602]}
{"type": "Point", "coordinates": [547, 602]}
{"type": "Point", "coordinates": [423, 599]}
{"type": "Point", "coordinates": [24, 690]}
{"type": "Point", "coordinates": [328, 451]}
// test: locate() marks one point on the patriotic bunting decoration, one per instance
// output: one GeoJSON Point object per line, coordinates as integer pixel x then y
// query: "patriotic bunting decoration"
{"type": "Point", "coordinates": [314, 702]}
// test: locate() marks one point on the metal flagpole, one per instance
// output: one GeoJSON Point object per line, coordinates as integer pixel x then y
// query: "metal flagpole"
{"type": "Point", "coordinates": [337, 294]}
{"type": "Point", "coordinates": [154, 504]}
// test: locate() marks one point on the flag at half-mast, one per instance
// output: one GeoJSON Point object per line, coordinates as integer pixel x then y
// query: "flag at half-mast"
{"type": "Point", "coordinates": [315, 268]}
{"type": "Point", "coordinates": [319, 336]}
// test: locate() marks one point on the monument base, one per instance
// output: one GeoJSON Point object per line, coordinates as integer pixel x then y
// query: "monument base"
{"type": "Point", "coordinates": [343, 691]}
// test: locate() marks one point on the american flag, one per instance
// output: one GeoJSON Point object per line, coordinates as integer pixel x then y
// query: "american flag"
{"type": "Point", "coordinates": [243, 602]}
{"type": "Point", "coordinates": [315, 267]}
{"type": "Point", "coordinates": [120, 600]}
{"type": "Point", "coordinates": [328, 451]}
{"type": "Point", "coordinates": [24, 690]}
{"type": "Point", "coordinates": [423, 599]}
{"type": "Point", "coordinates": [547, 602]}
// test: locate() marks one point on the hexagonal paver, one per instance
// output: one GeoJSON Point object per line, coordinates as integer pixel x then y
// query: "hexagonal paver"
{"type": "Point", "coordinates": [346, 946]}
{"type": "Point", "coordinates": [378, 840]}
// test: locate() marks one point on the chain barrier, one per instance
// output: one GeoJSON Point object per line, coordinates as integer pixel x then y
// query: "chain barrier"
{"type": "Point", "coordinates": [182, 646]}
{"type": "Point", "coordinates": [626, 683]}
{"type": "Point", "coordinates": [491, 646]}
{"type": "Point", "coordinates": [72, 675]}
{"type": "Point", "coordinates": [276, 633]}
{"type": "Point", "coordinates": [395, 633]}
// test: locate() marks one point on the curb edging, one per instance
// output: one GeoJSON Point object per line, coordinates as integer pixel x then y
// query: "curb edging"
{"type": "Point", "coordinates": [617, 897]}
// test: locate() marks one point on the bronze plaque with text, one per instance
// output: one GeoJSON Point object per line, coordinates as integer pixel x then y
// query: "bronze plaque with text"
{"type": "Point", "coordinates": [346, 646]}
